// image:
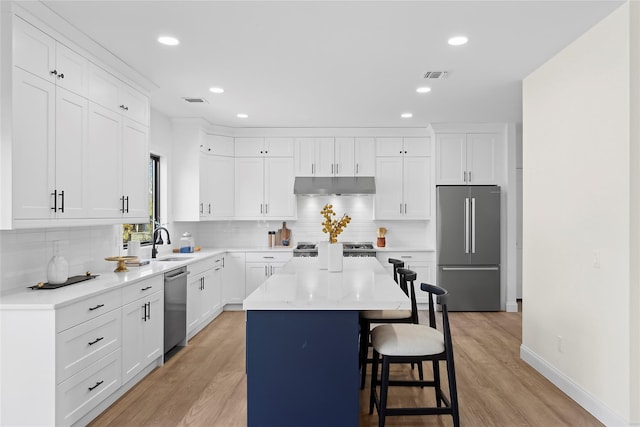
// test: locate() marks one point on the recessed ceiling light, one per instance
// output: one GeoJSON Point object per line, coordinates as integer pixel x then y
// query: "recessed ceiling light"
{"type": "Point", "coordinates": [423, 89]}
{"type": "Point", "coordinates": [242, 116]}
{"type": "Point", "coordinates": [168, 41]}
{"type": "Point", "coordinates": [216, 90]}
{"type": "Point", "coordinates": [458, 40]}
{"type": "Point", "coordinates": [406, 115]}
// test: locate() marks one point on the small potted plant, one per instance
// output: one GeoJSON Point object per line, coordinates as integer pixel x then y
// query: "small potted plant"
{"type": "Point", "coordinates": [333, 226]}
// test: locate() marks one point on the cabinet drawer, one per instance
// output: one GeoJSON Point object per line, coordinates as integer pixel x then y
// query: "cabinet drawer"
{"type": "Point", "coordinates": [141, 289]}
{"type": "Point", "coordinates": [83, 391]}
{"type": "Point", "coordinates": [200, 266]}
{"type": "Point", "coordinates": [407, 257]}
{"type": "Point", "coordinates": [87, 309]}
{"type": "Point", "coordinates": [83, 345]}
{"type": "Point", "coordinates": [268, 256]}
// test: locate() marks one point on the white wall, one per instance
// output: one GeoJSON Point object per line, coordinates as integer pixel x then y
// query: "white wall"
{"type": "Point", "coordinates": [577, 260]}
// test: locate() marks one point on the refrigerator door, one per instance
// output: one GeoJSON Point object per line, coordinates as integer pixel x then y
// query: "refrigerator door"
{"type": "Point", "coordinates": [453, 226]}
{"type": "Point", "coordinates": [485, 225]}
{"type": "Point", "coordinates": [471, 288]}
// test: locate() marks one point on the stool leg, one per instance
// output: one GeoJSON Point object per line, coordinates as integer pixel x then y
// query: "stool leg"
{"type": "Point", "coordinates": [453, 389]}
{"type": "Point", "coordinates": [384, 389]}
{"type": "Point", "coordinates": [364, 350]}
{"type": "Point", "coordinates": [436, 379]}
{"type": "Point", "coordinates": [374, 380]}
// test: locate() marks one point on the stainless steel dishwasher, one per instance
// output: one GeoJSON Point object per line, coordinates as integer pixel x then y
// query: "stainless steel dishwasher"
{"type": "Point", "coordinates": [175, 308]}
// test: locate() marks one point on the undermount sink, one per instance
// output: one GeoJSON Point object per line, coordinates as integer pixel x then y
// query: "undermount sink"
{"type": "Point", "coordinates": [174, 258]}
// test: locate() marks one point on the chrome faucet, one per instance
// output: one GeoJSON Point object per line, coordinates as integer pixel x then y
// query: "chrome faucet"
{"type": "Point", "coordinates": [157, 239]}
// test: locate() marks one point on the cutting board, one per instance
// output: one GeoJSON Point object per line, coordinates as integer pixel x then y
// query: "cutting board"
{"type": "Point", "coordinates": [283, 233]}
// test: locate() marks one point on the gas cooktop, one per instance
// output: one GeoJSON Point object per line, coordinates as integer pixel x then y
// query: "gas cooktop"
{"type": "Point", "coordinates": [349, 249]}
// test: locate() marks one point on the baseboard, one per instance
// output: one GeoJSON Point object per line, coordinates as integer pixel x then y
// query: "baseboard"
{"type": "Point", "coordinates": [512, 307]}
{"type": "Point", "coordinates": [591, 404]}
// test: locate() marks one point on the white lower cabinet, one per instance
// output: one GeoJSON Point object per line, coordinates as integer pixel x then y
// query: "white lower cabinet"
{"type": "Point", "coordinates": [423, 263]}
{"type": "Point", "coordinates": [204, 293]}
{"type": "Point", "coordinates": [142, 328]}
{"type": "Point", "coordinates": [233, 279]}
{"type": "Point", "coordinates": [262, 265]}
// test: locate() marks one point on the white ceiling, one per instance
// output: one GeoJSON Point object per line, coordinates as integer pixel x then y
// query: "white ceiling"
{"type": "Point", "coordinates": [335, 63]}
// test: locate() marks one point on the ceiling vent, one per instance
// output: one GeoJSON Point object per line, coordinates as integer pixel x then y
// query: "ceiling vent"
{"type": "Point", "coordinates": [438, 75]}
{"type": "Point", "coordinates": [196, 100]}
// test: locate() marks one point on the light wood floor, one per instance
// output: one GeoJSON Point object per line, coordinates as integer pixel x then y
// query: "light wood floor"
{"type": "Point", "coordinates": [204, 384]}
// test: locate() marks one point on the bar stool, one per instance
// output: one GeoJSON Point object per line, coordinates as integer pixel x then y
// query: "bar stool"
{"type": "Point", "coordinates": [405, 279]}
{"type": "Point", "coordinates": [404, 343]}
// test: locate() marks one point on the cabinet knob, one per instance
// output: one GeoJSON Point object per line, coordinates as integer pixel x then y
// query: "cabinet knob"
{"type": "Point", "coordinates": [61, 76]}
{"type": "Point", "coordinates": [54, 72]}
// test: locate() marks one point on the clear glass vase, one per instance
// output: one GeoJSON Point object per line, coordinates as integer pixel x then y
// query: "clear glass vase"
{"type": "Point", "coordinates": [58, 267]}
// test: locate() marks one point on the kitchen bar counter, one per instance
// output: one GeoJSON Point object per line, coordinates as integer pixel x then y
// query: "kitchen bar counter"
{"type": "Point", "coordinates": [302, 341]}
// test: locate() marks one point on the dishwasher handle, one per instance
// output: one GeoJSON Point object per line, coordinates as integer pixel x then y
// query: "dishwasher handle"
{"type": "Point", "coordinates": [176, 276]}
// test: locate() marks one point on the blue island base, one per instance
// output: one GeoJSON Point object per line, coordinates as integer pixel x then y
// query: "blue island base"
{"type": "Point", "coordinates": [302, 368]}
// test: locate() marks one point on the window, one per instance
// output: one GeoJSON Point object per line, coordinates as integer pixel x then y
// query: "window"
{"type": "Point", "coordinates": [143, 232]}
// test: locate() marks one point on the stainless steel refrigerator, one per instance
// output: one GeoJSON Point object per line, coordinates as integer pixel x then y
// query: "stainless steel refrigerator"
{"type": "Point", "coordinates": [468, 246]}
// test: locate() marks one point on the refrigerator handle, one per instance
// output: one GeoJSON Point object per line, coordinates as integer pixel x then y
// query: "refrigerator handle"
{"type": "Point", "coordinates": [466, 225]}
{"type": "Point", "coordinates": [473, 225]}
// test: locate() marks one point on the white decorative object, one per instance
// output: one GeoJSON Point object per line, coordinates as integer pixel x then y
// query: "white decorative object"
{"type": "Point", "coordinates": [323, 254]}
{"type": "Point", "coordinates": [58, 267]}
{"type": "Point", "coordinates": [335, 257]}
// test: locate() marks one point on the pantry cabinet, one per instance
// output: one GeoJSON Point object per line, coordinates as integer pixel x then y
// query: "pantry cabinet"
{"type": "Point", "coordinates": [264, 188]}
{"type": "Point", "coordinates": [403, 178]}
{"type": "Point", "coordinates": [468, 159]}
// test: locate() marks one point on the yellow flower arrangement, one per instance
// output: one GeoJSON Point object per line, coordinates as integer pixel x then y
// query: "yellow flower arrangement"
{"type": "Point", "coordinates": [333, 227]}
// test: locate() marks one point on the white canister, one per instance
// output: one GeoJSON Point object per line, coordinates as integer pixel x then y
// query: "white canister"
{"type": "Point", "coordinates": [58, 267]}
{"type": "Point", "coordinates": [335, 257]}
{"type": "Point", "coordinates": [133, 248]}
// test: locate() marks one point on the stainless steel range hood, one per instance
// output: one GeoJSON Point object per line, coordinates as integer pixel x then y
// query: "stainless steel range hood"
{"type": "Point", "coordinates": [334, 185]}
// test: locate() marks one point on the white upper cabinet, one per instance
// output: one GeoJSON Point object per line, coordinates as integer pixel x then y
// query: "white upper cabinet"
{"type": "Point", "coordinates": [403, 178]}
{"type": "Point", "coordinates": [110, 92]}
{"type": "Point", "coordinates": [364, 157]}
{"type": "Point", "coordinates": [216, 187]}
{"type": "Point", "coordinates": [264, 147]}
{"type": "Point", "coordinates": [468, 159]}
{"type": "Point", "coordinates": [36, 52]}
{"type": "Point", "coordinates": [340, 156]}
{"type": "Point", "coordinates": [218, 145]}
{"type": "Point", "coordinates": [264, 188]}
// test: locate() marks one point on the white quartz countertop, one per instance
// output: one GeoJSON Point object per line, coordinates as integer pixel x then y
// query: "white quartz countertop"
{"type": "Point", "coordinates": [46, 299]}
{"type": "Point", "coordinates": [363, 284]}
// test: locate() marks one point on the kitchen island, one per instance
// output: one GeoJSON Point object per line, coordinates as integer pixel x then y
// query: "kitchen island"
{"type": "Point", "coordinates": [302, 341]}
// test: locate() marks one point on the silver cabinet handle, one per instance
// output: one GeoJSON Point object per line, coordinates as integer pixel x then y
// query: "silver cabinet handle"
{"type": "Point", "coordinates": [337, 168]}
{"type": "Point", "coordinates": [331, 168]}
{"type": "Point", "coordinates": [261, 208]}
{"type": "Point", "coordinates": [473, 224]}
{"type": "Point", "coordinates": [464, 176]}
{"type": "Point", "coordinates": [406, 256]}
{"type": "Point", "coordinates": [265, 271]}
{"type": "Point", "coordinates": [209, 208]}
{"type": "Point", "coordinates": [469, 176]}
{"type": "Point", "coordinates": [401, 208]}
{"type": "Point", "coordinates": [268, 257]}
{"type": "Point", "coordinates": [470, 268]}
{"type": "Point", "coordinates": [313, 168]}
{"type": "Point", "coordinates": [466, 225]}
{"type": "Point", "coordinates": [201, 208]}
{"type": "Point", "coordinates": [266, 208]}
{"type": "Point", "coordinates": [405, 208]}
{"type": "Point", "coordinates": [357, 168]}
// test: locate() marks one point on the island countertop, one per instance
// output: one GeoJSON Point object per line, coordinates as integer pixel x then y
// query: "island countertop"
{"type": "Point", "coordinates": [363, 284]}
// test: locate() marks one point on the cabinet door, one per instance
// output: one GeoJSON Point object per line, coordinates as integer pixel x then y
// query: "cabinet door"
{"type": "Point", "coordinates": [135, 170]}
{"type": "Point", "coordinates": [133, 319]}
{"type": "Point", "coordinates": [255, 273]}
{"type": "Point", "coordinates": [206, 184]}
{"type": "Point", "coordinates": [389, 147]}
{"type": "Point", "coordinates": [33, 145]}
{"type": "Point", "coordinates": [417, 188]}
{"type": "Point", "coordinates": [133, 104]}
{"type": "Point", "coordinates": [249, 187]}
{"type": "Point", "coordinates": [425, 273]}
{"type": "Point", "coordinates": [222, 186]}
{"type": "Point", "coordinates": [451, 163]}
{"type": "Point", "coordinates": [275, 267]}
{"type": "Point", "coordinates": [280, 202]}
{"type": "Point", "coordinates": [305, 156]}
{"type": "Point", "coordinates": [344, 157]}
{"type": "Point", "coordinates": [104, 88]}
{"type": "Point", "coordinates": [72, 133]}
{"type": "Point", "coordinates": [153, 329]}
{"type": "Point", "coordinates": [219, 145]}
{"type": "Point", "coordinates": [365, 157]}
{"type": "Point", "coordinates": [72, 71]}
{"type": "Point", "coordinates": [419, 146]}
{"type": "Point", "coordinates": [324, 157]}
{"type": "Point", "coordinates": [388, 199]}
{"type": "Point", "coordinates": [249, 147]}
{"type": "Point", "coordinates": [482, 159]}
{"type": "Point", "coordinates": [33, 50]}
{"type": "Point", "coordinates": [210, 299]}
{"type": "Point", "coordinates": [104, 171]}
{"type": "Point", "coordinates": [194, 302]}
{"type": "Point", "coordinates": [233, 279]}
{"type": "Point", "coordinates": [278, 147]}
